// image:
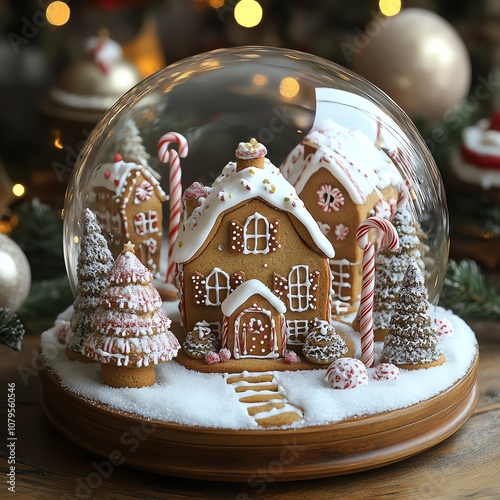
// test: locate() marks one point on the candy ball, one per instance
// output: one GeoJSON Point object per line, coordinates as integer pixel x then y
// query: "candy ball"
{"type": "Point", "coordinates": [386, 371]}
{"type": "Point", "coordinates": [346, 373]}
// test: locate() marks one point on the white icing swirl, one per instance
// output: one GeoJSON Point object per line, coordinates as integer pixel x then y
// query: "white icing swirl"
{"type": "Point", "coordinates": [251, 149]}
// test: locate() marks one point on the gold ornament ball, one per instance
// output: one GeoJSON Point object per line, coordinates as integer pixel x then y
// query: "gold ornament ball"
{"type": "Point", "coordinates": [418, 59]}
{"type": "Point", "coordinates": [15, 274]}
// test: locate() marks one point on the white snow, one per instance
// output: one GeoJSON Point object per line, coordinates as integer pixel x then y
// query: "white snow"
{"type": "Point", "coordinates": [192, 398]}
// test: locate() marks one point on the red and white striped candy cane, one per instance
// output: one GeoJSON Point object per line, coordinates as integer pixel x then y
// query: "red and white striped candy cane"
{"type": "Point", "coordinates": [172, 157]}
{"type": "Point", "coordinates": [391, 241]}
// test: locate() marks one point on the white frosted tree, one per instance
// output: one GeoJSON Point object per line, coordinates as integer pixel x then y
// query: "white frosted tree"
{"type": "Point", "coordinates": [131, 147]}
{"type": "Point", "coordinates": [130, 331]}
{"type": "Point", "coordinates": [390, 268]}
{"type": "Point", "coordinates": [412, 339]}
{"type": "Point", "coordinates": [94, 262]}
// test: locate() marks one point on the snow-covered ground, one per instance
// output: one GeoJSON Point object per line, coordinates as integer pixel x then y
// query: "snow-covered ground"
{"type": "Point", "coordinates": [199, 399]}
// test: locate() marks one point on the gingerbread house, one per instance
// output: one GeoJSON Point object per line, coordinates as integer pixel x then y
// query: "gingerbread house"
{"type": "Point", "coordinates": [253, 263]}
{"type": "Point", "coordinates": [343, 178]}
{"type": "Point", "coordinates": [128, 205]}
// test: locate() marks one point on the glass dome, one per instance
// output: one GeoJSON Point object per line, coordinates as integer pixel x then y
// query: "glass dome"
{"type": "Point", "coordinates": [279, 97]}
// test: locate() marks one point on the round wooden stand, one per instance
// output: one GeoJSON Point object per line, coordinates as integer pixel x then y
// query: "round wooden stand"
{"type": "Point", "coordinates": [311, 452]}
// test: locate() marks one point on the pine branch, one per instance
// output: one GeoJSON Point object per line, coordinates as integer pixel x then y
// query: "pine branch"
{"type": "Point", "coordinates": [467, 292]}
{"type": "Point", "coordinates": [11, 330]}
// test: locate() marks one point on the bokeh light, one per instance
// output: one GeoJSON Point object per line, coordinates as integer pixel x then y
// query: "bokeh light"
{"type": "Point", "coordinates": [58, 13]}
{"type": "Point", "coordinates": [389, 7]}
{"type": "Point", "coordinates": [248, 13]}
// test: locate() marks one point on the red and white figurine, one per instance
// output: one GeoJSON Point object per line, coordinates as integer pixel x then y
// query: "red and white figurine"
{"type": "Point", "coordinates": [169, 155]}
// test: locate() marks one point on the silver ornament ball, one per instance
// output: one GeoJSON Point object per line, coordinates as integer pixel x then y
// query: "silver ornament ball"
{"type": "Point", "coordinates": [419, 60]}
{"type": "Point", "coordinates": [15, 274]}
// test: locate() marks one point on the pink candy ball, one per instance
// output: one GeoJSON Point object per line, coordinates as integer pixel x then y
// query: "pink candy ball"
{"type": "Point", "coordinates": [212, 357]}
{"type": "Point", "coordinates": [292, 357]}
{"type": "Point", "coordinates": [346, 373]}
{"type": "Point", "coordinates": [224, 355]}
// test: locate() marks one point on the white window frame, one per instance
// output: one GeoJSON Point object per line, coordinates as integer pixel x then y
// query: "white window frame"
{"type": "Point", "coordinates": [253, 239]}
{"type": "Point", "coordinates": [297, 328]}
{"type": "Point", "coordinates": [298, 290]}
{"type": "Point", "coordinates": [216, 288]}
{"type": "Point", "coordinates": [146, 222]}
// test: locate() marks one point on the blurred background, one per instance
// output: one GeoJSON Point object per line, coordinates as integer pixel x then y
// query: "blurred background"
{"type": "Point", "coordinates": [63, 64]}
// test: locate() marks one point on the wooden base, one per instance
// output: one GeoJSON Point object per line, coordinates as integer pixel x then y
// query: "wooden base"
{"type": "Point", "coordinates": [310, 452]}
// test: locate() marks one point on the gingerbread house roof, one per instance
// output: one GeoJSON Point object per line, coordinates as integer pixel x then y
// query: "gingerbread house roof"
{"type": "Point", "coordinates": [231, 189]}
{"type": "Point", "coordinates": [350, 156]}
{"type": "Point", "coordinates": [120, 178]}
{"type": "Point", "coordinates": [244, 291]}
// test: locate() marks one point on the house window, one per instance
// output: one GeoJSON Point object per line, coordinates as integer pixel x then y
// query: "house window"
{"type": "Point", "coordinates": [146, 222]}
{"type": "Point", "coordinates": [297, 331]}
{"type": "Point", "coordinates": [256, 234]}
{"type": "Point", "coordinates": [217, 286]}
{"type": "Point", "coordinates": [298, 288]}
{"type": "Point", "coordinates": [109, 223]}
{"type": "Point", "coordinates": [341, 286]}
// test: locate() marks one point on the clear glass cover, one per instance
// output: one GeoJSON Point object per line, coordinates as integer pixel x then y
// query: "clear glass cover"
{"type": "Point", "coordinates": [220, 98]}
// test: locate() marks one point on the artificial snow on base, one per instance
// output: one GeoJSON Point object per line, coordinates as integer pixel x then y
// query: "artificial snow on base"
{"type": "Point", "coordinates": [206, 399]}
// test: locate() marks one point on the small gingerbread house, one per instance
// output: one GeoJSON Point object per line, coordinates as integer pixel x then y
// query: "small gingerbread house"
{"type": "Point", "coordinates": [343, 178]}
{"type": "Point", "coordinates": [251, 230]}
{"type": "Point", "coordinates": [128, 205]}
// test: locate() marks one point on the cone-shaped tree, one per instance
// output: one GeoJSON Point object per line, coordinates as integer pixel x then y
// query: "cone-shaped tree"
{"type": "Point", "coordinates": [390, 268]}
{"type": "Point", "coordinates": [132, 148]}
{"type": "Point", "coordinates": [130, 331]}
{"type": "Point", "coordinates": [94, 262]}
{"type": "Point", "coordinates": [412, 340]}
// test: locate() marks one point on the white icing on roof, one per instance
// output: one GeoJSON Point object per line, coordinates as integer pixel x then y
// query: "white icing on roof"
{"type": "Point", "coordinates": [348, 155]}
{"type": "Point", "coordinates": [245, 291]}
{"type": "Point", "coordinates": [117, 176]}
{"type": "Point", "coordinates": [229, 190]}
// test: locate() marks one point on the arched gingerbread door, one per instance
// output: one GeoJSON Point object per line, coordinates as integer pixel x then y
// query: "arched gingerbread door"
{"type": "Point", "coordinates": [256, 334]}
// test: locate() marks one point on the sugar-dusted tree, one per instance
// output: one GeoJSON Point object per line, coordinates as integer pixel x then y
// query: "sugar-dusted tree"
{"type": "Point", "coordinates": [130, 331]}
{"type": "Point", "coordinates": [94, 262]}
{"type": "Point", "coordinates": [412, 340]}
{"type": "Point", "coordinates": [390, 268]}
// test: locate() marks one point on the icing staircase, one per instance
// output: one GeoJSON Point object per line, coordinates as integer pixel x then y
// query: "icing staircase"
{"type": "Point", "coordinates": [264, 398]}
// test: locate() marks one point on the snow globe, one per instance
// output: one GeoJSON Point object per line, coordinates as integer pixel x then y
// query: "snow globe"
{"type": "Point", "coordinates": [295, 226]}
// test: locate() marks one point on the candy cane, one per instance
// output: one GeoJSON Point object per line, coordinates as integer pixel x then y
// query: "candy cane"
{"type": "Point", "coordinates": [404, 195]}
{"type": "Point", "coordinates": [172, 158]}
{"type": "Point", "coordinates": [391, 240]}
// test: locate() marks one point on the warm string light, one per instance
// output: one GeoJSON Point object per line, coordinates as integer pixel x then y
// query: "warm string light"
{"type": "Point", "coordinates": [248, 13]}
{"type": "Point", "coordinates": [18, 190]}
{"type": "Point", "coordinates": [389, 7]}
{"type": "Point", "coordinates": [57, 13]}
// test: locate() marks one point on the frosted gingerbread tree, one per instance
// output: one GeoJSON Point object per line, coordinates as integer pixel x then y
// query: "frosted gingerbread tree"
{"type": "Point", "coordinates": [390, 268]}
{"type": "Point", "coordinates": [412, 341]}
{"type": "Point", "coordinates": [94, 262]}
{"type": "Point", "coordinates": [131, 146]}
{"type": "Point", "coordinates": [130, 331]}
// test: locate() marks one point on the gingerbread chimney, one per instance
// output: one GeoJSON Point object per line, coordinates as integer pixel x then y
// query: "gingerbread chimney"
{"type": "Point", "coordinates": [191, 197]}
{"type": "Point", "coordinates": [250, 154]}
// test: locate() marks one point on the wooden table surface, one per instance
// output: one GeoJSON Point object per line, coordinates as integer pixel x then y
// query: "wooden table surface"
{"type": "Point", "coordinates": [48, 466]}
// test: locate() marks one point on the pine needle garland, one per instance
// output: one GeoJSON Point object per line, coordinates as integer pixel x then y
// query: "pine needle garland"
{"type": "Point", "coordinates": [467, 292]}
{"type": "Point", "coordinates": [11, 329]}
